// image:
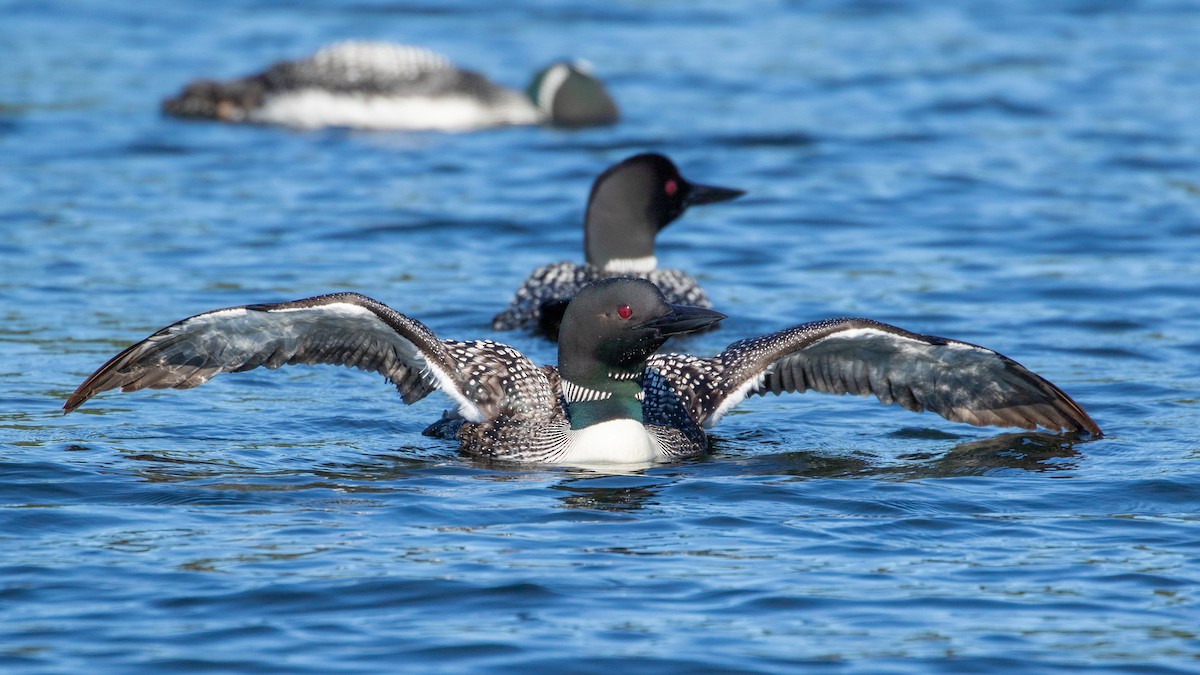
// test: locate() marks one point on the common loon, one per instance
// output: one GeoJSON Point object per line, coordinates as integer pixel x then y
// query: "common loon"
{"type": "Point", "coordinates": [629, 204]}
{"type": "Point", "coordinates": [611, 399]}
{"type": "Point", "coordinates": [382, 85]}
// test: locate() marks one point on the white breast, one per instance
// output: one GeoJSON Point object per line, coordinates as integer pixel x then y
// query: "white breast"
{"type": "Point", "coordinates": [612, 442]}
{"type": "Point", "coordinates": [314, 108]}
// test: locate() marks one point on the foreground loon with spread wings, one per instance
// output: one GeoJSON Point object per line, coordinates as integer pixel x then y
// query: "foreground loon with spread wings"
{"type": "Point", "coordinates": [611, 398]}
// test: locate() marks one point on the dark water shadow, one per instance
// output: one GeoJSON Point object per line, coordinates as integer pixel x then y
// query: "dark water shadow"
{"type": "Point", "coordinates": [1026, 451]}
{"type": "Point", "coordinates": [634, 489]}
{"type": "Point", "coordinates": [616, 488]}
{"type": "Point", "coordinates": [593, 495]}
{"type": "Point", "coordinates": [1021, 451]}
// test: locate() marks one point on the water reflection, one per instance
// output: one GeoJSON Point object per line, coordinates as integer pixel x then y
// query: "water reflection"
{"type": "Point", "coordinates": [630, 498]}
{"type": "Point", "coordinates": [624, 489]}
{"type": "Point", "coordinates": [1025, 451]}
{"type": "Point", "coordinates": [593, 489]}
{"type": "Point", "coordinates": [611, 487]}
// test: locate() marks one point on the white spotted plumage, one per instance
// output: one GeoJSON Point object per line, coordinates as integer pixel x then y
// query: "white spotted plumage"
{"type": "Point", "coordinates": [555, 284]}
{"type": "Point", "coordinates": [356, 61]}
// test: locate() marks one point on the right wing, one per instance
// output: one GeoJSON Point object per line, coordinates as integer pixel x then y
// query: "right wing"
{"type": "Point", "coordinates": [957, 380]}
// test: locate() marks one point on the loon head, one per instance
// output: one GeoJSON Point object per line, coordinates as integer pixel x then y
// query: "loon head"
{"type": "Point", "coordinates": [569, 95]}
{"type": "Point", "coordinates": [630, 202]}
{"type": "Point", "coordinates": [608, 331]}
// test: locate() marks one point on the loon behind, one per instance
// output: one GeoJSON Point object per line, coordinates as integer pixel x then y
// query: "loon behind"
{"type": "Point", "coordinates": [629, 204]}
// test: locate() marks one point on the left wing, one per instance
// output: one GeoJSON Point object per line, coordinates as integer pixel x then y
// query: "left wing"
{"type": "Point", "coordinates": [957, 380]}
{"type": "Point", "coordinates": [486, 379]}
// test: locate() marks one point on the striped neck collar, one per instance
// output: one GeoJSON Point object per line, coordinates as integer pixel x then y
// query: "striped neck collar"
{"type": "Point", "coordinates": [575, 393]}
{"type": "Point", "coordinates": [552, 81]}
{"type": "Point", "coordinates": [631, 265]}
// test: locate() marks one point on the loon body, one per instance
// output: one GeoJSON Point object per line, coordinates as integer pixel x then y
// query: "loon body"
{"type": "Point", "coordinates": [381, 85]}
{"type": "Point", "coordinates": [611, 399]}
{"type": "Point", "coordinates": [628, 205]}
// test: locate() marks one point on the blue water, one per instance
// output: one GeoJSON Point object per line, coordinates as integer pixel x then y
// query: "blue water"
{"type": "Point", "coordinates": [1022, 175]}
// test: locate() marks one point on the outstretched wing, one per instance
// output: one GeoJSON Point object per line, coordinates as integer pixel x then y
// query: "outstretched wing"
{"type": "Point", "coordinates": [340, 329]}
{"type": "Point", "coordinates": [957, 380]}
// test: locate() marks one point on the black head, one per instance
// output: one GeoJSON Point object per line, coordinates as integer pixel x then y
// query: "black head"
{"type": "Point", "coordinates": [569, 95]}
{"type": "Point", "coordinates": [634, 199]}
{"type": "Point", "coordinates": [614, 325]}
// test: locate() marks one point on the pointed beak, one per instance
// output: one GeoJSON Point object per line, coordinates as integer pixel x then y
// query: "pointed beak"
{"type": "Point", "coordinates": [683, 319]}
{"type": "Point", "coordinates": [710, 194]}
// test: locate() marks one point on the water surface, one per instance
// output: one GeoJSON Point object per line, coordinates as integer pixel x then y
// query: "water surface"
{"type": "Point", "coordinates": [1021, 175]}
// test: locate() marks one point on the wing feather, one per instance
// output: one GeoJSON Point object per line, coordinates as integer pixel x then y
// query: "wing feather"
{"type": "Point", "coordinates": [957, 380]}
{"type": "Point", "coordinates": [345, 329]}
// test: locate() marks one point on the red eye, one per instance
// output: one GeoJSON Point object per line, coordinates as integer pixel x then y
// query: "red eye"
{"type": "Point", "coordinates": [624, 311]}
{"type": "Point", "coordinates": [671, 187]}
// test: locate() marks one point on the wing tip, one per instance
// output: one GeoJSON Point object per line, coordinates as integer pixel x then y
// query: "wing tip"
{"type": "Point", "coordinates": [1059, 416]}
{"type": "Point", "coordinates": [75, 400]}
{"type": "Point", "coordinates": [85, 391]}
{"type": "Point", "coordinates": [1085, 425]}
{"type": "Point", "coordinates": [1074, 418]}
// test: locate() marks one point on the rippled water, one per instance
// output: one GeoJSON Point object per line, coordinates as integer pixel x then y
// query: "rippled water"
{"type": "Point", "coordinates": [1022, 175]}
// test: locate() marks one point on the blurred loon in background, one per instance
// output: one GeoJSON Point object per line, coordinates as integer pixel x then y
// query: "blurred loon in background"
{"type": "Point", "coordinates": [388, 86]}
